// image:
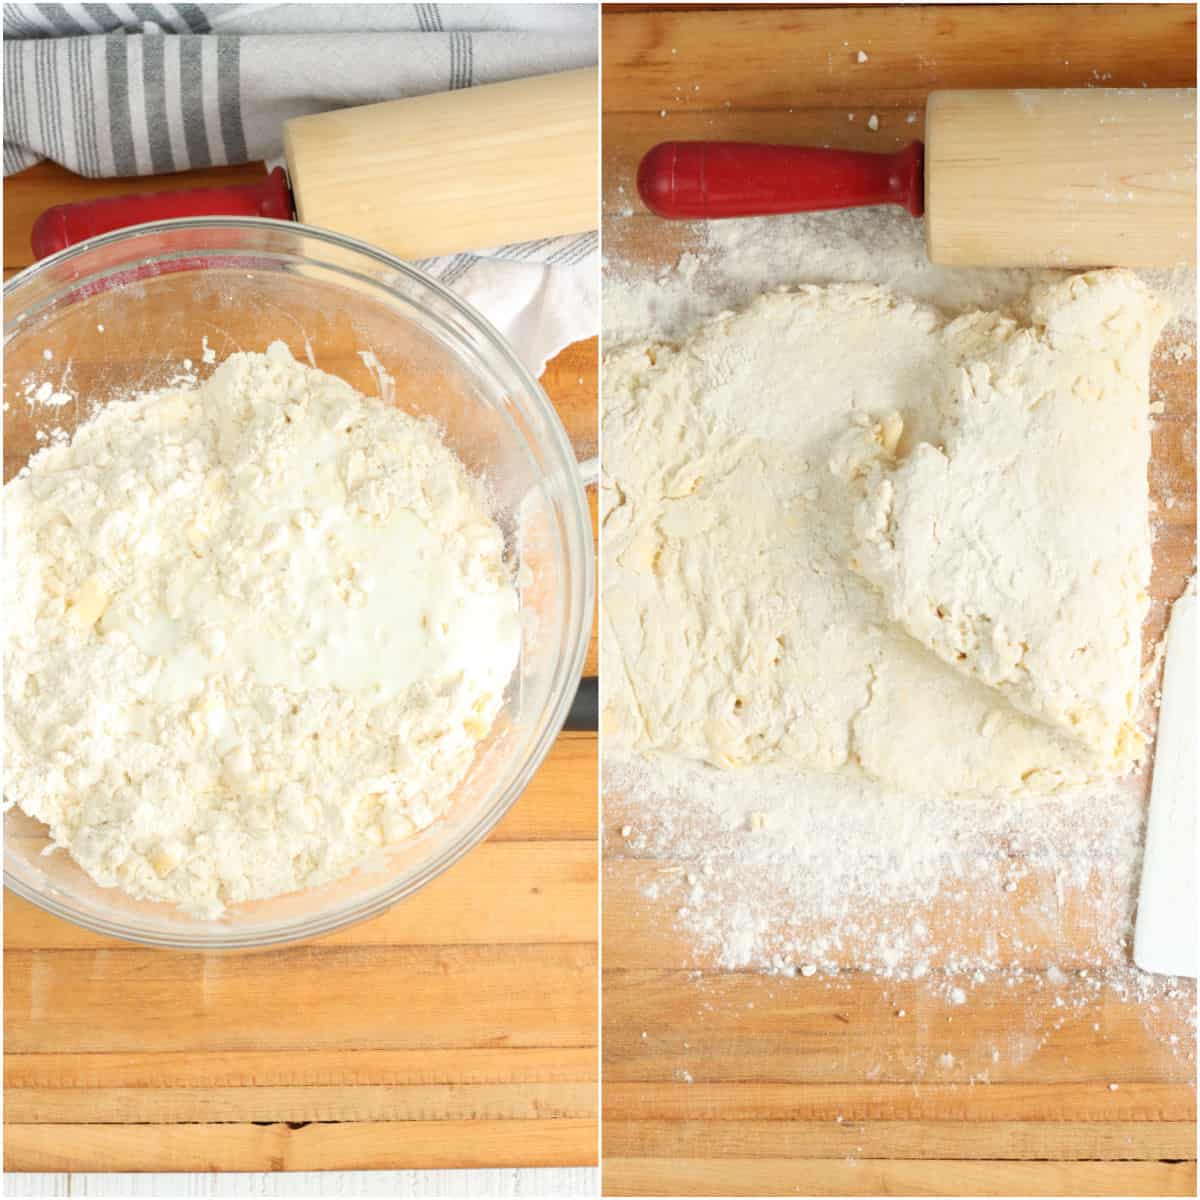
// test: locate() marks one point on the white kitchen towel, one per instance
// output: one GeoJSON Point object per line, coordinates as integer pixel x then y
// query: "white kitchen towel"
{"type": "Point", "coordinates": [143, 89]}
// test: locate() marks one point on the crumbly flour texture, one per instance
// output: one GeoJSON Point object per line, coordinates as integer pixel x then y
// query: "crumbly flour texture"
{"type": "Point", "coordinates": [256, 629]}
{"type": "Point", "coordinates": [844, 531]}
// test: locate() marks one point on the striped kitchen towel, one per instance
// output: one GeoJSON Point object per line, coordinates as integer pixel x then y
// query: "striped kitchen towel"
{"type": "Point", "coordinates": [148, 89]}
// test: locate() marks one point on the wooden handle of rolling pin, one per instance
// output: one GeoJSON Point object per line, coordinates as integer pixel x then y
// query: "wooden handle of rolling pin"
{"type": "Point", "coordinates": [1080, 178]}
{"type": "Point", "coordinates": [461, 170]}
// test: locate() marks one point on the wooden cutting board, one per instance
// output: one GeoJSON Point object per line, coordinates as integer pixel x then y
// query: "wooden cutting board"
{"type": "Point", "coordinates": [456, 1030]}
{"type": "Point", "coordinates": [734, 1083]}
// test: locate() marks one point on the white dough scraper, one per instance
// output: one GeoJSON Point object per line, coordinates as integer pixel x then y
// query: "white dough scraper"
{"type": "Point", "coordinates": [1165, 938]}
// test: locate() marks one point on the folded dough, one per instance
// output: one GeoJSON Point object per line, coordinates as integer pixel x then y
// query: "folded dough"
{"type": "Point", "coordinates": [1015, 544]}
{"type": "Point", "coordinates": [737, 630]}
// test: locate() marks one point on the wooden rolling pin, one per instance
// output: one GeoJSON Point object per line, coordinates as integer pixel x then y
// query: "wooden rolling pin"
{"type": "Point", "coordinates": [1071, 178]}
{"type": "Point", "coordinates": [461, 170]}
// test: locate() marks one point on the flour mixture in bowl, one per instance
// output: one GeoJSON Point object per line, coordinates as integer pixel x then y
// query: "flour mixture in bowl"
{"type": "Point", "coordinates": [256, 630]}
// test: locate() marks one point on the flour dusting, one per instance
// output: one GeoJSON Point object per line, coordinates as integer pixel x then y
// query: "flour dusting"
{"type": "Point", "coordinates": [730, 262]}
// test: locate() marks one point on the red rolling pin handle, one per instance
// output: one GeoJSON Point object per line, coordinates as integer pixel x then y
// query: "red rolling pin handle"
{"type": "Point", "coordinates": [66, 224]}
{"type": "Point", "coordinates": [689, 180]}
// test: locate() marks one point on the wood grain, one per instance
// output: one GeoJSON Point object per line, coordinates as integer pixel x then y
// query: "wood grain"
{"type": "Point", "coordinates": [284, 1069]}
{"type": "Point", "coordinates": [342, 1146]}
{"type": "Point", "coordinates": [450, 995]}
{"type": "Point", "coordinates": [862, 1102]}
{"type": "Point", "coordinates": [1000, 182]}
{"type": "Point", "coordinates": [459, 1029]}
{"type": "Point", "coordinates": [725, 1083]}
{"type": "Point", "coordinates": [858, 1177]}
{"type": "Point", "coordinates": [529, 145]}
{"type": "Point", "coordinates": [170, 1105]}
{"type": "Point", "coordinates": [785, 56]}
{"type": "Point", "coordinates": [505, 893]}
{"type": "Point", "coordinates": [722, 1027]}
{"type": "Point", "coordinates": [1010, 1140]}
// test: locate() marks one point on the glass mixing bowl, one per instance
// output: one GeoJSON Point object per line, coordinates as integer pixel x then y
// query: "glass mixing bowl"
{"type": "Point", "coordinates": [133, 310]}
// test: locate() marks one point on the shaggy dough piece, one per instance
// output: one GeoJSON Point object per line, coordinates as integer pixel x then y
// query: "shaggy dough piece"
{"type": "Point", "coordinates": [1016, 547]}
{"type": "Point", "coordinates": [735, 631]}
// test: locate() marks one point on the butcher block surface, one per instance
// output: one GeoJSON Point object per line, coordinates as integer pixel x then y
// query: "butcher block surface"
{"type": "Point", "coordinates": [459, 1029]}
{"type": "Point", "coordinates": [735, 1083]}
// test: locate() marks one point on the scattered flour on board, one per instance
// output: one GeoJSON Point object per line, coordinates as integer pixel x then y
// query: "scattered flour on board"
{"type": "Point", "coordinates": [726, 264]}
{"type": "Point", "coordinates": [792, 874]}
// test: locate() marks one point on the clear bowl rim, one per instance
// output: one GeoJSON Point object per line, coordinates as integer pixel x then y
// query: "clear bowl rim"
{"type": "Point", "coordinates": [569, 669]}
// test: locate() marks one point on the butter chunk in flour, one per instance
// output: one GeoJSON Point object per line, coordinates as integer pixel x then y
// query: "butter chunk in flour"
{"type": "Point", "coordinates": [255, 631]}
{"type": "Point", "coordinates": [794, 493]}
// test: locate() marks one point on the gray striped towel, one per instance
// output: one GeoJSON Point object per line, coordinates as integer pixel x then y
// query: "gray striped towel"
{"type": "Point", "coordinates": [148, 89]}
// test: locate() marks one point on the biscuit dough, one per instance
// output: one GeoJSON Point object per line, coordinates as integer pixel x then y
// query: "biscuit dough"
{"type": "Point", "coordinates": [1016, 547]}
{"type": "Point", "coordinates": [790, 494]}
